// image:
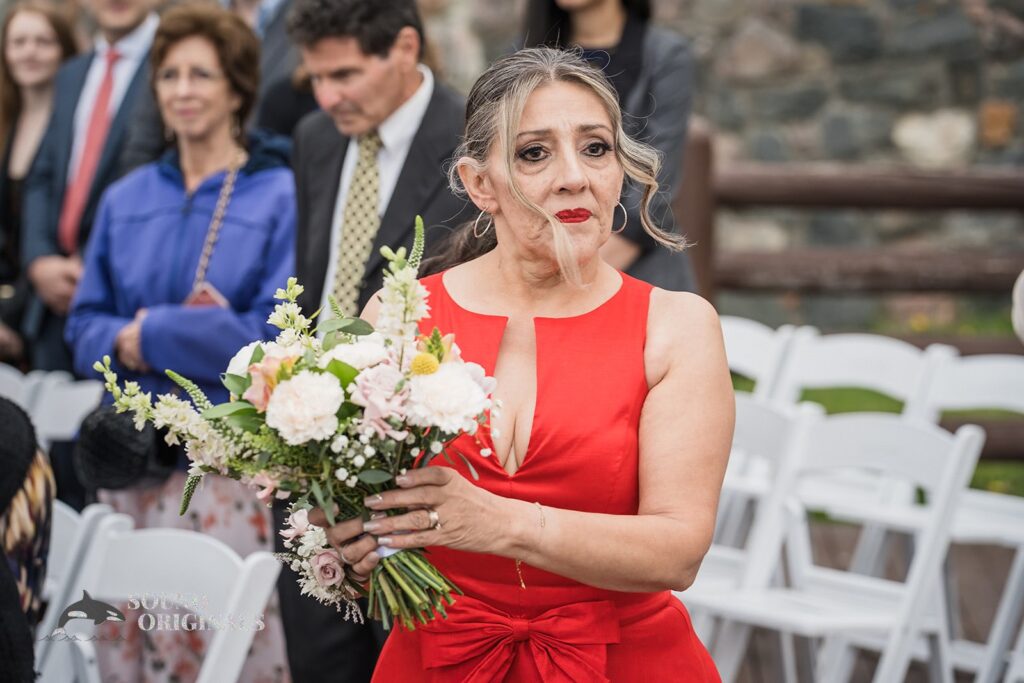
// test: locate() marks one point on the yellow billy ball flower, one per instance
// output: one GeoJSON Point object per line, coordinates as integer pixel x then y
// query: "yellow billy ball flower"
{"type": "Point", "coordinates": [424, 364]}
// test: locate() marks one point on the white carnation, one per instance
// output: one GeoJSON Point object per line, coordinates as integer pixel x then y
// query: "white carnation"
{"type": "Point", "coordinates": [449, 399]}
{"type": "Point", "coordinates": [304, 407]}
{"type": "Point", "coordinates": [366, 352]}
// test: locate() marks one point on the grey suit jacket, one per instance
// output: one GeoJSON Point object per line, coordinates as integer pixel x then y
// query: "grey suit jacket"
{"type": "Point", "coordinates": [658, 109]}
{"type": "Point", "coordinates": [278, 55]}
{"type": "Point", "coordinates": [422, 189]}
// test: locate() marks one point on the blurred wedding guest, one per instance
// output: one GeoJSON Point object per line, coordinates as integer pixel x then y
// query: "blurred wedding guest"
{"type": "Point", "coordinates": [77, 159]}
{"type": "Point", "coordinates": [180, 273]}
{"type": "Point", "coordinates": [365, 166]}
{"type": "Point", "coordinates": [26, 505]}
{"type": "Point", "coordinates": [286, 95]}
{"type": "Point", "coordinates": [651, 70]}
{"type": "Point", "coordinates": [457, 51]}
{"type": "Point", "coordinates": [34, 40]}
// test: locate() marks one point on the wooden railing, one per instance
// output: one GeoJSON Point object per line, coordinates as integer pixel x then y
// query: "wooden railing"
{"type": "Point", "coordinates": [853, 270]}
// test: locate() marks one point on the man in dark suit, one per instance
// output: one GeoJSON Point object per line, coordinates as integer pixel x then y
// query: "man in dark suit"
{"type": "Point", "coordinates": [365, 166]}
{"type": "Point", "coordinates": [78, 157]}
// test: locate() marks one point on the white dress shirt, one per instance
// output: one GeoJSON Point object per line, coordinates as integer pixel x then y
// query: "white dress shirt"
{"type": "Point", "coordinates": [134, 49]}
{"type": "Point", "coordinates": [396, 135]}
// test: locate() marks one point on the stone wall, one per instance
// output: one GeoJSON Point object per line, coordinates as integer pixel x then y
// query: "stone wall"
{"type": "Point", "coordinates": [933, 84]}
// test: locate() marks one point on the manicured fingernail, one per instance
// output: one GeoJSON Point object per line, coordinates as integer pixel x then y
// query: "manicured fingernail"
{"type": "Point", "coordinates": [373, 501]}
{"type": "Point", "coordinates": [378, 515]}
{"type": "Point", "coordinates": [384, 541]}
{"type": "Point", "coordinates": [402, 480]}
{"type": "Point", "coordinates": [372, 557]}
{"type": "Point", "coordinates": [370, 527]}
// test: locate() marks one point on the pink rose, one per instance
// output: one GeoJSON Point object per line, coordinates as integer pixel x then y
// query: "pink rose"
{"type": "Point", "coordinates": [264, 378]}
{"type": "Point", "coordinates": [298, 523]}
{"type": "Point", "coordinates": [269, 485]}
{"type": "Point", "coordinates": [327, 569]}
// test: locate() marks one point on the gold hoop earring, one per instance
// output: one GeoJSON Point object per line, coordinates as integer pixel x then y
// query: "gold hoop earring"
{"type": "Point", "coordinates": [625, 219]}
{"type": "Point", "coordinates": [476, 225]}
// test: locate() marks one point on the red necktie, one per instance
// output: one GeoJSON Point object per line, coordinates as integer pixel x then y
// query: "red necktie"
{"type": "Point", "coordinates": [78, 189]}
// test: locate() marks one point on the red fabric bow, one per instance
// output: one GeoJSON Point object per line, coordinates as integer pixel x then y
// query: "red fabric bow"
{"type": "Point", "coordinates": [568, 643]}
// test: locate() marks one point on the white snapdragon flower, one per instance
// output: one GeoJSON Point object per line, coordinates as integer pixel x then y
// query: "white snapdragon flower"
{"type": "Point", "coordinates": [179, 417]}
{"type": "Point", "coordinates": [449, 399]}
{"type": "Point", "coordinates": [403, 303]}
{"type": "Point", "coordinates": [288, 315]}
{"type": "Point", "coordinates": [304, 408]}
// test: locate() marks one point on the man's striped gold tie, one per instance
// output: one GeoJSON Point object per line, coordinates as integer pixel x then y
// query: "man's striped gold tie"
{"type": "Point", "coordinates": [361, 223]}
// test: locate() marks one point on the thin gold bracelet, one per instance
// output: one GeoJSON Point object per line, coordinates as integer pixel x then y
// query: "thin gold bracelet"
{"type": "Point", "coordinates": [519, 563]}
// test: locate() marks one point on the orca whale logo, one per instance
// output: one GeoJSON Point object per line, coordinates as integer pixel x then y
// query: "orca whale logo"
{"type": "Point", "coordinates": [87, 608]}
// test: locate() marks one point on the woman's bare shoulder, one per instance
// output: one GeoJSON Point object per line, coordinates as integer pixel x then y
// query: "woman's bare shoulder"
{"type": "Point", "coordinates": [681, 325]}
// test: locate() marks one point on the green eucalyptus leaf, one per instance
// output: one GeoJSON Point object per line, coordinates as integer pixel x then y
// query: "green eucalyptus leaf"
{"type": "Point", "coordinates": [245, 422]}
{"type": "Point", "coordinates": [374, 477]}
{"type": "Point", "coordinates": [331, 339]}
{"type": "Point", "coordinates": [345, 373]}
{"type": "Point", "coordinates": [230, 408]}
{"type": "Point", "coordinates": [347, 410]}
{"type": "Point", "coordinates": [354, 326]}
{"type": "Point", "coordinates": [236, 384]}
{"type": "Point", "coordinates": [257, 354]}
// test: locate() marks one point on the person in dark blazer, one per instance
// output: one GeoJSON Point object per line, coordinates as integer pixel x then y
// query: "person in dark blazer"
{"type": "Point", "coordinates": [365, 165]}
{"type": "Point", "coordinates": [34, 40]}
{"type": "Point", "coordinates": [79, 156]}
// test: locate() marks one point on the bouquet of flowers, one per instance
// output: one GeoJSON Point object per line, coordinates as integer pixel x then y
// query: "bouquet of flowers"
{"type": "Point", "coordinates": [327, 416]}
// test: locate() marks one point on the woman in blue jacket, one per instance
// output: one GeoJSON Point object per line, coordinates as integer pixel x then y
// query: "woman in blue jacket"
{"type": "Point", "coordinates": [180, 272]}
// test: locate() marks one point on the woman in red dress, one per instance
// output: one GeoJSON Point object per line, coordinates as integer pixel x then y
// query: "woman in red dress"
{"type": "Point", "coordinates": [599, 477]}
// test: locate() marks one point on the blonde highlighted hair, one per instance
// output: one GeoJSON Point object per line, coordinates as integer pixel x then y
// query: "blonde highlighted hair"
{"type": "Point", "coordinates": [493, 113]}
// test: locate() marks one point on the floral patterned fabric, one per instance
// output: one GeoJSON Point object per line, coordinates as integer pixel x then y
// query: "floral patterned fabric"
{"type": "Point", "coordinates": [229, 512]}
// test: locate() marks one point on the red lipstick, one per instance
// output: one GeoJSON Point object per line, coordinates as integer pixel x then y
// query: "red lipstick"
{"type": "Point", "coordinates": [573, 215]}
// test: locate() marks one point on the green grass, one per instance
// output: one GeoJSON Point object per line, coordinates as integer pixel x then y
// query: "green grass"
{"type": "Point", "coordinates": [1004, 477]}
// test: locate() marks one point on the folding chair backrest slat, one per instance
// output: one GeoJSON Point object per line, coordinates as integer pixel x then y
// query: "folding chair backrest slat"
{"type": "Point", "coordinates": [880, 443]}
{"type": "Point", "coordinates": [867, 361]}
{"type": "Point", "coordinates": [756, 351]}
{"type": "Point", "coordinates": [977, 382]}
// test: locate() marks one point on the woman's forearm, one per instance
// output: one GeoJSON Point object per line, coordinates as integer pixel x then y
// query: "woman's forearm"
{"type": "Point", "coordinates": [616, 552]}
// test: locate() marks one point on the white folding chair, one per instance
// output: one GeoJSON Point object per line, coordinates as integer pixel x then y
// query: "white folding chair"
{"type": "Point", "coordinates": [123, 562]}
{"type": "Point", "coordinates": [822, 602]}
{"type": "Point", "coordinates": [756, 351]}
{"type": "Point", "coordinates": [60, 407]}
{"type": "Point", "coordinates": [70, 536]}
{"type": "Point", "coordinates": [12, 384]}
{"type": "Point", "coordinates": [1015, 670]}
{"type": "Point", "coordinates": [765, 434]}
{"type": "Point", "coordinates": [971, 383]}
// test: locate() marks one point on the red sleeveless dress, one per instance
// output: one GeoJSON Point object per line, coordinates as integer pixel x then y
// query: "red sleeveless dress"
{"type": "Point", "coordinates": [582, 455]}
